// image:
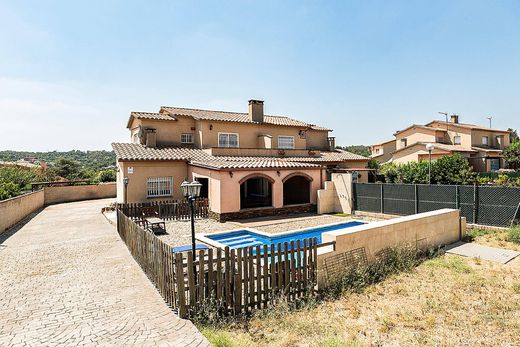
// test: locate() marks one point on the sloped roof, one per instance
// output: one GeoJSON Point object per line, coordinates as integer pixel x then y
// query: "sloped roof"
{"type": "Point", "coordinates": [138, 152]}
{"type": "Point", "coordinates": [441, 146]}
{"type": "Point", "coordinates": [149, 115]}
{"type": "Point", "coordinates": [236, 117]}
{"type": "Point", "coordinates": [420, 127]}
{"type": "Point", "coordinates": [467, 126]}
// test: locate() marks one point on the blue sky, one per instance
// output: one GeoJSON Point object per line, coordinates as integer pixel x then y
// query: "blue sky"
{"type": "Point", "coordinates": [71, 71]}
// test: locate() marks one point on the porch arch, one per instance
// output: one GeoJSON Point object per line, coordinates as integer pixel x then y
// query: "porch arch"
{"type": "Point", "coordinates": [256, 190]}
{"type": "Point", "coordinates": [297, 189]}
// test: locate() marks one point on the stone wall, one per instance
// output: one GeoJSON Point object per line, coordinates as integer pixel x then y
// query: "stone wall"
{"type": "Point", "coordinates": [15, 209]}
{"type": "Point", "coordinates": [336, 197]}
{"type": "Point", "coordinates": [263, 212]}
{"type": "Point", "coordinates": [423, 230]}
{"type": "Point", "coordinates": [56, 195]}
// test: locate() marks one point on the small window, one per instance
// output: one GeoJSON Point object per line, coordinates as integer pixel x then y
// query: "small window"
{"type": "Point", "coordinates": [159, 186]}
{"type": "Point", "coordinates": [484, 140]}
{"type": "Point", "coordinates": [456, 140]}
{"type": "Point", "coordinates": [404, 142]}
{"type": "Point", "coordinates": [377, 150]}
{"type": "Point", "coordinates": [228, 140]}
{"type": "Point", "coordinates": [286, 142]}
{"type": "Point", "coordinates": [186, 138]}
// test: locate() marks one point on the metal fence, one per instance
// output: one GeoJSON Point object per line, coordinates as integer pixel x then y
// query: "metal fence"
{"type": "Point", "coordinates": [487, 205]}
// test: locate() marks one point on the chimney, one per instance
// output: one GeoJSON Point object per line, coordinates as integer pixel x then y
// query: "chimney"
{"type": "Point", "coordinates": [151, 138]}
{"type": "Point", "coordinates": [256, 111]}
{"type": "Point", "coordinates": [454, 118]}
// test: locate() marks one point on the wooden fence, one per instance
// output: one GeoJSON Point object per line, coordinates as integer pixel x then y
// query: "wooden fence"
{"type": "Point", "coordinates": [168, 209]}
{"type": "Point", "coordinates": [234, 280]}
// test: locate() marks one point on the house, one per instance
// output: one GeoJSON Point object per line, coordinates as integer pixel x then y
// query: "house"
{"type": "Point", "coordinates": [480, 145]}
{"type": "Point", "coordinates": [250, 164]}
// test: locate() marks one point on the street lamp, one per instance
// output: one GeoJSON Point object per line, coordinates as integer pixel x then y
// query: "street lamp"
{"type": "Point", "coordinates": [429, 148]}
{"type": "Point", "coordinates": [191, 192]}
{"type": "Point", "coordinates": [125, 193]}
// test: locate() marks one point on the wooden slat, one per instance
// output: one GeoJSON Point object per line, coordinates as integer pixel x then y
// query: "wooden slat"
{"type": "Point", "coordinates": [200, 284]}
{"type": "Point", "coordinates": [258, 288]}
{"type": "Point", "coordinates": [298, 269]}
{"type": "Point", "coordinates": [227, 272]}
{"type": "Point", "coordinates": [265, 274]}
{"type": "Point", "coordinates": [238, 282]}
{"type": "Point", "coordinates": [273, 273]}
{"type": "Point", "coordinates": [286, 269]}
{"type": "Point", "coordinates": [180, 286]}
{"type": "Point", "coordinates": [246, 279]}
{"type": "Point", "coordinates": [219, 275]}
{"type": "Point", "coordinates": [211, 275]}
{"type": "Point", "coordinates": [191, 280]}
{"type": "Point", "coordinates": [251, 279]}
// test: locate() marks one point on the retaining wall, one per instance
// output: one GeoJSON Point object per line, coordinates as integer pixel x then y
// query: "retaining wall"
{"type": "Point", "coordinates": [56, 195]}
{"type": "Point", "coordinates": [423, 230]}
{"type": "Point", "coordinates": [15, 209]}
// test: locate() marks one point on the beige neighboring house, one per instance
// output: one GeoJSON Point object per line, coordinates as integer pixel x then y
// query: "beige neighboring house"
{"type": "Point", "coordinates": [480, 145]}
{"type": "Point", "coordinates": [250, 164]}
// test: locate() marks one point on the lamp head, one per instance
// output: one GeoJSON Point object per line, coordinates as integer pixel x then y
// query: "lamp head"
{"type": "Point", "coordinates": [429, 147]}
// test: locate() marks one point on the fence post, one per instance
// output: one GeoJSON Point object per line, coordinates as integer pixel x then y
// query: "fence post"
{"type": "Point", "coordinates": [475, 203]}
{"type": "Point", "coordinates": [382, 198]}
{"type": "Point", "coordinates": [416, 188]}
{"type": "Point", "coordinates": [457, 197]}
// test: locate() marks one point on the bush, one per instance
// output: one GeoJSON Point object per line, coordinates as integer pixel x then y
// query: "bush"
{"type": "Point", "coordinates": [513, 235]}
{"type": "Point", "coordinates": [9, 190]}
{"type": "Point", "coordinates": [108, 175]}
{"type": "Point", "coordinates": [512, 155]}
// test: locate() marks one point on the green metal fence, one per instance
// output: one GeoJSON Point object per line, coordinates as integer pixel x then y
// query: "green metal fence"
{"type": "Point", "coordinates": [487, 205]}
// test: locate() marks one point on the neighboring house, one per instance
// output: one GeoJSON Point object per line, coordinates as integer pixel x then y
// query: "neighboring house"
{"type": "Point", "coordinates": [25, 165]}
{"type": "Point", "coordinates": [480, 145]}
{"type": "Point", "coordinates": [250, 164]}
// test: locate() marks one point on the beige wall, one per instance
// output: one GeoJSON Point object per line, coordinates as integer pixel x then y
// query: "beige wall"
{"type": "Point", "coordinates": [56, 195]}
{"type": "Point", "coordinates": [137, 181]}
{"type": "Point", "coordinates": [336, 197]}
{"type": "Point", "coordinates": [15, 209]}
{"type": "Point", "coordinates": [224, 190]}
{"type": "Point", "coordinates": [414, 153]}
{"type": "Point", "coordinates": [476, 138]}
{"type": "Point", "coordinates": [168, 132]}
{"type": "Point", "coordinates": [317, 139]}
{"type": "Point", "coordinates": [385, 151]}
{"type": "Point", "coordinates": [423, 230]}
{"type": "Point", "coordinates": [414, 135]}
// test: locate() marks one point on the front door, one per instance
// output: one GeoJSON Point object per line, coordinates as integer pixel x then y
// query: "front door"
{"type": "Point", "coordinates": [204, 188]}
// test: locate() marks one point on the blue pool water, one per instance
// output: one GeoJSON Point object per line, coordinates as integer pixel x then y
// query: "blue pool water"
{"type": "Point", "coordinates": [246, 238]}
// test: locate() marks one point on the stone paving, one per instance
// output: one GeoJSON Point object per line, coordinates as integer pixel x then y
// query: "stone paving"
{"type": "Point", "coordinates": [67, 279]}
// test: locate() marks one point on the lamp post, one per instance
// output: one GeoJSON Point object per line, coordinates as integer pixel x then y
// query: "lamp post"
{"type": "Point", "coordinates": [125, 193]}
{"type": "Point", "coordinates": [191, 192]}
{"type": "Point", "coordinates": [429, 148]}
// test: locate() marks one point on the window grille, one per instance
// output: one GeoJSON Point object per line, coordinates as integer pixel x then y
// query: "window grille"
{"type": "Point", "coordinates": [159, 186]}
{"type": "Point", "coordinates": [228, 140]}
{"type": "Point", "coordinates": [186, 138]}
{"type": "Point", "coordinates": [286, 142]}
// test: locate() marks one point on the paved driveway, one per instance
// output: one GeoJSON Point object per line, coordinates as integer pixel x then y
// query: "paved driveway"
{"type": "Point", "coordinates": [66, 278]}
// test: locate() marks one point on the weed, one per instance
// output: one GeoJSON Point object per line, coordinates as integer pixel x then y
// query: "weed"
{"type": "Point", "coordinates": [218, 338]}
{"type": "Point", "coordinates": [336, 342]}
{"type": "Point", "coordinates": [472, 234]}
{"type": "Point", "coordinates": [516, 287]}
{"type": "Point", "coordinates": [513, 235]}
{"type": "Point", "coordinates": [453, 263]}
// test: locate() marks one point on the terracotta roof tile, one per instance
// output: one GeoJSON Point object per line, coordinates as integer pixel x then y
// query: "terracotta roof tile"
{"type": "Point", "coordinates": [257, 163]}
{"type": "Point", "coordinates": [149, 115]}
{"type": "Point", "coordinates": [224, 116]}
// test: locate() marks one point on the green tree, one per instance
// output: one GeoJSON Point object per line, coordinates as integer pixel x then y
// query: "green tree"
{"type": "Point", "coordinates": [357, 149]}
{"type": "Point", "coordinates": [108, 175]}
{"type": "Point", "coordinates": [514, 136]}
{"type": "Point", "coordinates": [67, 168]}
{"type": "Point", "coordinates": [9, 190]}
{"type": "Point", "coordinates": [512, 155]}
{"type": "Point", "coordinates": [452, 170]}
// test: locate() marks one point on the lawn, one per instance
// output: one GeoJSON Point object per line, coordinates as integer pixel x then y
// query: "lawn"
{"type": "Point", "coordinates": [447, 300]}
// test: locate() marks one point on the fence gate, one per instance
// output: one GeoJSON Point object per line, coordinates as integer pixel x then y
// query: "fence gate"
{"type": "Point", "coordinates": [488, 205]}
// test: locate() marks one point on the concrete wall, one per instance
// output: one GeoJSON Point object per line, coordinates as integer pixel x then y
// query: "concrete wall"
{"type": "Point", "coordinates": [423, 230]}
{"type": "Point", "coordinates": [336, 197]}
{"type": "Point", "coordinates": [56, 195]}
{"type": "Point", "coordinates": [15, 209]}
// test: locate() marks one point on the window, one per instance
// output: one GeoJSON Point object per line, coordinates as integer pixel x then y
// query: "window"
{"type": "Point", "coordinates": [286, 142]}
{"type": "Point", "coordinates": [456, 140]}
{"type": "Point", "coordinates": [227, 140]}
{"type": "Point", "coordinates": [404, 142]}
{"type": "Point", "coordinates": [484, 140]}
{"type": "Point", "coordinates": [159, 186]}
{"type": "Point", "coordinates": [186, 138]}
{"type": "Point", "coordinates": [377, 150]}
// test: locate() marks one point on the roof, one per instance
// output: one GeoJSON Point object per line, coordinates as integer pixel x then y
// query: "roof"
{"type": "Point", "coordinates": [468, 126]}
{"type": "Point", "coordinates": [441, 146]}
{"type": "Point", "coordinates": [195, 156]}
{"type": "Point", "coordinates": [419, 126]}
{"type": "Point", "coordinates": [486, 149]}
{"type": "Point", "coordinates": [383, 143]}
{"type": "Point", "coordinates": [256, 163]}
{"type": "Point", "coordinates": [149, 115]}
{"type": "Point", "coordinates": [236, 117]}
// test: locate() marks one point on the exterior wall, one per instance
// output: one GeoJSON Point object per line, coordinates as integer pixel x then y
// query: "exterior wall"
{"type": "Point", "coordinates": [317, 139]}
{"type": "Point", "coordinates": [336, 197]}
{"type": "Point", "coordinates": [385, 151]}
{"type": "Point", "coordinates": [476, 138]}
{"type": "Point", "coordinates": [137, 181]}
{"type": "Point", "coordinates": [56, 195]}
{"type": "Point", "coordinates": [413, 135]}
{"type": "Point", "coordinates": [15, 209]}
{"type": "Point", "coordinates": [248, 133]}
{"type": "Point", "coordinates": [263, 212]}
{"type": "Point", "coordinates": [414, 153]}
{"type": "Point", "coordinates": [168, 132]}
{"type": "Point", "coordinates": [224, 189]}
{"type": "Point", "coordinates": [423, 230]}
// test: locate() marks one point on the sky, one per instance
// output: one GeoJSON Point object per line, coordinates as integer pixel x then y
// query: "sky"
{"type": "Point", "coordinates": [72, 71]}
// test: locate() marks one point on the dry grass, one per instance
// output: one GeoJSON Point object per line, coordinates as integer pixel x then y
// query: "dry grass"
{"type": "Point", "coordinates": [448, 300]}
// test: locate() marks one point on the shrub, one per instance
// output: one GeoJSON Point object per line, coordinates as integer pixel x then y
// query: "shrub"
{"type": "Point", "coordinates": [9, 190]}
{"type": "Point", "coordinates": [108, 175]}
{"type": "Point", "coordinates": [513, 234]}
{"type": "Point", "coordinates": [512, 155]}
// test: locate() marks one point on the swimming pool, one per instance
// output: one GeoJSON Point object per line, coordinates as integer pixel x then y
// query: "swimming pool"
{"type": "Point", "coordinates": [251, 238]}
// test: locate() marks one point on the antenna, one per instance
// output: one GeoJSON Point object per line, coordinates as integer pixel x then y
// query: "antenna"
{"type": "Point", "coordinates": [445, 115]}
{"type": "Point", "coordinates": [490, 118]}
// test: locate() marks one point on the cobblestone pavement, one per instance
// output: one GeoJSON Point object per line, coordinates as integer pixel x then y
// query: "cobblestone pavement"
{"type": "Point", "coordinates": [66, 278]}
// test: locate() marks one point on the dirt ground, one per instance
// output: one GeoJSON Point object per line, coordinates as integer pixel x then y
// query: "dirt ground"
{"type": "Point", "coordinates": [445, 301]}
